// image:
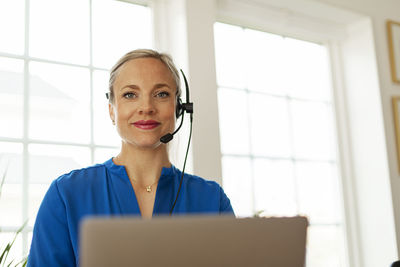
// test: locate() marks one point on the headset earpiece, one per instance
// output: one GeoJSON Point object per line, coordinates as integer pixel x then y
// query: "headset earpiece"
{"type": "Point", "coordinates": [179, 108]}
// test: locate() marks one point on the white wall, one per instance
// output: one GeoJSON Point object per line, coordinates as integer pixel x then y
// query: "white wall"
{"type": "Point", "coordinates": [379, 12]}
{"type": "Point", "coordinates": [362, 73]}
{"type": "Point", "coordinates": [369, 162]}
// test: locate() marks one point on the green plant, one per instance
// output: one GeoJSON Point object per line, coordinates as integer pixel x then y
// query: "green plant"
{"type": "Point", "coordinates": [8, 247]}
{"type": "Point", "coordinates": [258, 214]}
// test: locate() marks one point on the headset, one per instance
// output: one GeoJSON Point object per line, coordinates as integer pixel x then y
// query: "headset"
{"type": "Point", "coordinates": [180, 110]}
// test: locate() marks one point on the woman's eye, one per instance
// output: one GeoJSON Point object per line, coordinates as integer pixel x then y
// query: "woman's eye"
{"type": "Point", "coordinates": [129, 95]}
{"type": "Point", "coordinates": [163, 94]}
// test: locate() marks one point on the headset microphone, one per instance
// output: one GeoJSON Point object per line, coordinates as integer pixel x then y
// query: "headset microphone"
{"type": "Point", "coordinates": [169, 136]}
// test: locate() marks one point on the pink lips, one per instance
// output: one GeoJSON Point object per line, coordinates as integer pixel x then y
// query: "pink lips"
{"type": "Point", "coordinates": [146, 125]}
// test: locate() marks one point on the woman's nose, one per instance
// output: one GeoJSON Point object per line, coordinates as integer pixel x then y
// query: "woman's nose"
{"type": "Point", "coordinates": [146, 106]}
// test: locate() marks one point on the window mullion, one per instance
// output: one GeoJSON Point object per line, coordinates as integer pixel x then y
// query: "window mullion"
{"type": "Point", "coordinates": [253, 195]}
{"type": "Point", "coordinates": [92, 147]}
{"type": "Point", "coordinates": [25, 155]}
{"type": "Point", "coordinates": [249, 127]}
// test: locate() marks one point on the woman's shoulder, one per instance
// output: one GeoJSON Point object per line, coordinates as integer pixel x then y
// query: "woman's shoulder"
{"type": "Point", "coordinates": [198, 182]}
{"type": "Point", "coordinates": [207, 194]}
{"type": "Point", "coordinates": [82, 175]}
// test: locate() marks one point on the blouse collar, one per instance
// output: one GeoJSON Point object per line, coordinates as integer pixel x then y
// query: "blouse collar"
{"type": "Point", "coordinates": [121, 171]}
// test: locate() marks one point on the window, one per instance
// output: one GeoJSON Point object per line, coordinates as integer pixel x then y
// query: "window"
{"type": "Point", "coordinates": [278, 134]}
{"type": "Point", "coordinates": [53, 79]}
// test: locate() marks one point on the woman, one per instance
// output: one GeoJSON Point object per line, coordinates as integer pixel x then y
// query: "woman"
{"type": "Point", "coordinates": [140, 180]}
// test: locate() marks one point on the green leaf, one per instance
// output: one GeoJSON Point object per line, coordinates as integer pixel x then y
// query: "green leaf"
{"type": "Point", "coordinates": [4, 253]}
{"type": "Point", "coordinates": [258, 213]}
{"type": "Point", "coordinates": [24, 261]}
{"type": "Point", "coordinates": [22, 227]}
{"type": "Point", "coordinates": [10, 263]}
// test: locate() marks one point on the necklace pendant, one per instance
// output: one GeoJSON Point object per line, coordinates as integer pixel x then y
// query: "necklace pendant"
{"type": "Point", "coordinates": [148, 189]}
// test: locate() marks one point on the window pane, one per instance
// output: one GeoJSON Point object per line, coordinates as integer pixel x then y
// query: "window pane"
{"type": "Point", "coordinates": [59, 30]}
{"type": "Point", "coordinates": [11, 97]}
{"type": "Point", "coordinates": [266, 66]}
{"type": "Point", "coordinates": [325, 246]}
{"type": "Point", "coordinates": [288, 134]}
{"type": "Point", "coordinates": [104, 132]}
{"type": "Point", "coordinates": [312, 130]}
{"type": "Point", "coordinates": [59, 103]}
{"type": "Point", "coordinates": [11, 162]}
{"type": "Point", "coordinates": [12, 22]}
{"type": "Point", "coordinates": [238, 184]}
{"type": "Point", "coordinates": [274, 187]}
{"type": "Point", "coordinates": [48, 162]}
{"type": "Point", "coordinates": [118, 27]}
{"type": "Point", "coordinates": [233, 116]}
{"type": "Point", "coordinates": [11, 193]}
{"type": "Point", "coordinates": [308, 70]}
{"type": "Point", "coordinates": [229, 59]}
{"type": "Point", "coordinates": [269, 126]}
{"type": "Point", "coordinates": [318, 191]}
{"type": "Point", "coordinates": [11, 205]}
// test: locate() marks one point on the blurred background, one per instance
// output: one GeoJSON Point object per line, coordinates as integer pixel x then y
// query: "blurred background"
{"type": "Point", "coordinates": [292, 108]}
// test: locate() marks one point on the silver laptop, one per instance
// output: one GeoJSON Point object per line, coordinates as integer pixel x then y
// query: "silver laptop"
{"type": "Point", "coordinates": [193, 241]}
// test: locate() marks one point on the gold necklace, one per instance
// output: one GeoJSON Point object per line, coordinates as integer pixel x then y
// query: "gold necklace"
{"type": "Point", "coordinates": [148, 188]}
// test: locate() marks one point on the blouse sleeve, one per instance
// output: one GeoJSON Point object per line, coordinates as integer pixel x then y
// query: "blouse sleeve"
{"type": "Point", "coordinates": [225, 203]}
{"type": "Point", "coordinates": [51, 243]}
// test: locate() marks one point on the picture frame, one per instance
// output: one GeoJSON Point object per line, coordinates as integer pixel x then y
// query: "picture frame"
{"type": "Point", "coordinates": [393, 31]}
{"type": "Point", "coordinates": [396, 116]}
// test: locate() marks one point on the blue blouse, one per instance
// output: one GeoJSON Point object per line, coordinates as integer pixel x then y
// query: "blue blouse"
{"type": "Point", "coordinates": [105, 189]}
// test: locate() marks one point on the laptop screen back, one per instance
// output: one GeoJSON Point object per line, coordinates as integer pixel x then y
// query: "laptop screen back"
{"type": "Point", "coordinates": [193, 241]}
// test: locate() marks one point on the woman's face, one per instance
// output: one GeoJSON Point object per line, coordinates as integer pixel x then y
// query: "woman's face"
{"type": "Point", "coordinates": [144, 102]}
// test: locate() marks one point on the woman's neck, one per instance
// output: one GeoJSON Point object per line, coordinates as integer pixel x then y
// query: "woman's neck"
{"type": "Point", "coordinates": [143, 166]}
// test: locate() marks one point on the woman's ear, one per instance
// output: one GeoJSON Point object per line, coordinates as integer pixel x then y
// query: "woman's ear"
{"type": "Point", "coordinates": [111, 112]}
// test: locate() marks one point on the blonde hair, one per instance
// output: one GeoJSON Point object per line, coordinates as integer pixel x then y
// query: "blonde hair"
{"type": "Point", "coordinates": [144, 53]}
